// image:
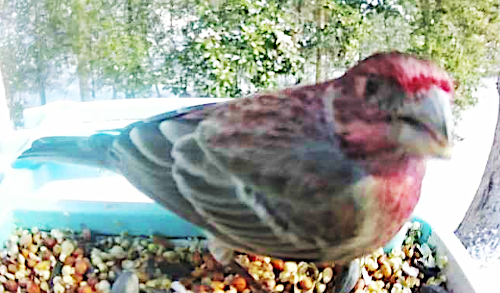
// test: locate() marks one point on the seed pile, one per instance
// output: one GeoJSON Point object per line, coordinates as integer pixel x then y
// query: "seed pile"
{"type": "Point", "coordinates": [58, 261]}
{"type": "Point", "coordinates": [403, 270]}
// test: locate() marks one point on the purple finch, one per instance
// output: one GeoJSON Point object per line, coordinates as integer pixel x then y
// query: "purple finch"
{"type": "Point", "coordinates": [325, 172]}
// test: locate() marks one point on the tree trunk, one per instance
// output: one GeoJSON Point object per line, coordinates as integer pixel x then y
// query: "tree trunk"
{"type": "Point", "coordinates": [482, 221]}
{"type": "Point", "coordinates": [426, 17]}
{"type": "Point", "coordinates": [41, 78]}
{"type": "Point", "coordinates": [93, 78]}
{"type": "Point", "coordinates": [40, 63]}
{"type": "Point", "coordinates": [157, 91]}
{"type": "Point", "coordinates": [319, 67]}
{"type": "Point", "coordinates": [43, 97]}
{"type": "Point", "coordinates": [5, 121]}
{"type": "Point", "coordinates": [83, 75]}
{"type": "Point", "coordinates": [83, 51]}
{"type": "Point", "coordinates": [319, 52]}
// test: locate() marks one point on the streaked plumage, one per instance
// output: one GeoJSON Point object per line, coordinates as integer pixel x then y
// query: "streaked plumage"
{"type": "Point", "coordinates": [315, 173]}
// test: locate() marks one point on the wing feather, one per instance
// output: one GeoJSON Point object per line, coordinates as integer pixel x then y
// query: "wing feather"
{"type": "Point", "coordinates": [267, 200]}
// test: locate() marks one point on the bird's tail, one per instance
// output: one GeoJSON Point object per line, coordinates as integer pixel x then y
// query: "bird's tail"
{"type": "Point", "coordinates": [94, 150]}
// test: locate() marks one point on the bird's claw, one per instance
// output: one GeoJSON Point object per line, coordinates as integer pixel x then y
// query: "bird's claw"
{"type": "Point", "coordinates": [127, 282]}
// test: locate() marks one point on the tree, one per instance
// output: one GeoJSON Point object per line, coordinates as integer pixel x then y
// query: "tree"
{"type": "Point", "coordinates": [460, 36]}
{"type": "Point", "coordinates": [478, 230]}
{"type": "Point", "coordinates": [240, 44]}
{"type": "Point", "coordinates": [5, 121]}
{"type": "Point", "coordinates": [231, 47]}
{"type": "Point", "coordinates": [30, 54]}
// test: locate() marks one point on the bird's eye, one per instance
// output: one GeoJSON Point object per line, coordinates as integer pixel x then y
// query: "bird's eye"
{"type": "Point", "coordinates": [371, 87]}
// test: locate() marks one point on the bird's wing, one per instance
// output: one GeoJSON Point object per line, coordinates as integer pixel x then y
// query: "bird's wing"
{"type": "Point", "coordinates": [142, 152]}
{"type": "Point", "coordinates": [282, 202]}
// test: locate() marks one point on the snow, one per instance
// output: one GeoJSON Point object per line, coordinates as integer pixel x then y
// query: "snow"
{"type": "Point", "coordinates": [450, 186]}
{"type": "Point", "coordinates": [77, 118]}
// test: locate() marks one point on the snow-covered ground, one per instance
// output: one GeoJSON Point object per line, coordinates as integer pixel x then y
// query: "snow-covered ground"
{"type": "Point", "coordinates": [450, 186]}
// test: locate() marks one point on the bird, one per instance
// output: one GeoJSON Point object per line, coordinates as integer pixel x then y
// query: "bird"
{"type": "Point", "coordinates": [324, 172]}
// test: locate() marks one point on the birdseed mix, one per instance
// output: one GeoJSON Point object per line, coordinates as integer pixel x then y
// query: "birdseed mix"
{"type": "Point", "coordinates": [60, 261]}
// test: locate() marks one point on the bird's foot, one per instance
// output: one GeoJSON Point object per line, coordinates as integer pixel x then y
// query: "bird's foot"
{"type": "Point", "coordinates": [127, 282]}
{"type": "Point", "coordinates": [347, 278]}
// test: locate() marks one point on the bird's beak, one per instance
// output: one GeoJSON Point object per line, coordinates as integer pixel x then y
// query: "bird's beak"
{"type": "Point", "coordinates": [425, 127]}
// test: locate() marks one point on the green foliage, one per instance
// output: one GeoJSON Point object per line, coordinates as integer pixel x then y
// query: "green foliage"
{"type": "Point", "coordinates": [336, 32]}
{"type": "Point", "coordinates": [342, 35]}
{"type": "Point", "coordinates": [242, 41]}
{"type": "Point", "coordinates": [27, 49]}
{"type": "Point", "coordinates": [196, 48]}
{"type": "Point", "coordinates": [460, 36]}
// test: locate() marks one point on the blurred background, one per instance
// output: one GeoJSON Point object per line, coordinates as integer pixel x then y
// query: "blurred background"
{"type": "Point", "coordinates": [85, 50]}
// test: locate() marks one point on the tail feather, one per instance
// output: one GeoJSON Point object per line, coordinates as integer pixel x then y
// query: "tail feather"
{"type": "Point", "coordinates": [91, 151]}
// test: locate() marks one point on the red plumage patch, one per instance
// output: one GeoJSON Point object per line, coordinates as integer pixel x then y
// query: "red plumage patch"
{"type": "Point", "coordinates": [411, 73]}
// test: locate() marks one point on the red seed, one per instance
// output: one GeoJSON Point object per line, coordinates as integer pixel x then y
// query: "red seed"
{"type": "Point", "coordinates": [11, 286]}
{"type": "Point", "coordinates": [306, 284]}
{"type": "Point", "coordinates": [239, 283]}
{"type": "Point", "coordinates": [78, 278]}
{"type": "Point", "coordinates": [70, 260]}
{"type": "Point", "coordinates": [92, 282]}
{"type": "Point", "coordinates": [278, 264]}
{"type": "Point", "coordinates": [78, 252]}
{"type": "Point", "coordinates": [85, 289]}
{"type": "Point", "coordinates": [49, 242]}
{"type": "Point", "coordinates": [33, 288]}
{"type": "Point", "coordinates": [81, 267]}
{"type": "Point", "coordinates": [46, 255]}
{"type": "Point", "coordinates": [201, 288]}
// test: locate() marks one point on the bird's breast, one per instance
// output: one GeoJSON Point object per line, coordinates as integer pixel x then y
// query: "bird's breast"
{"type": "Point", "coordinates": [395, 197]}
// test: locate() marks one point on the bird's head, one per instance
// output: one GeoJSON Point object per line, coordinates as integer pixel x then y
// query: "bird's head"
{"type": "Point", "coordinates": [395, 101]}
